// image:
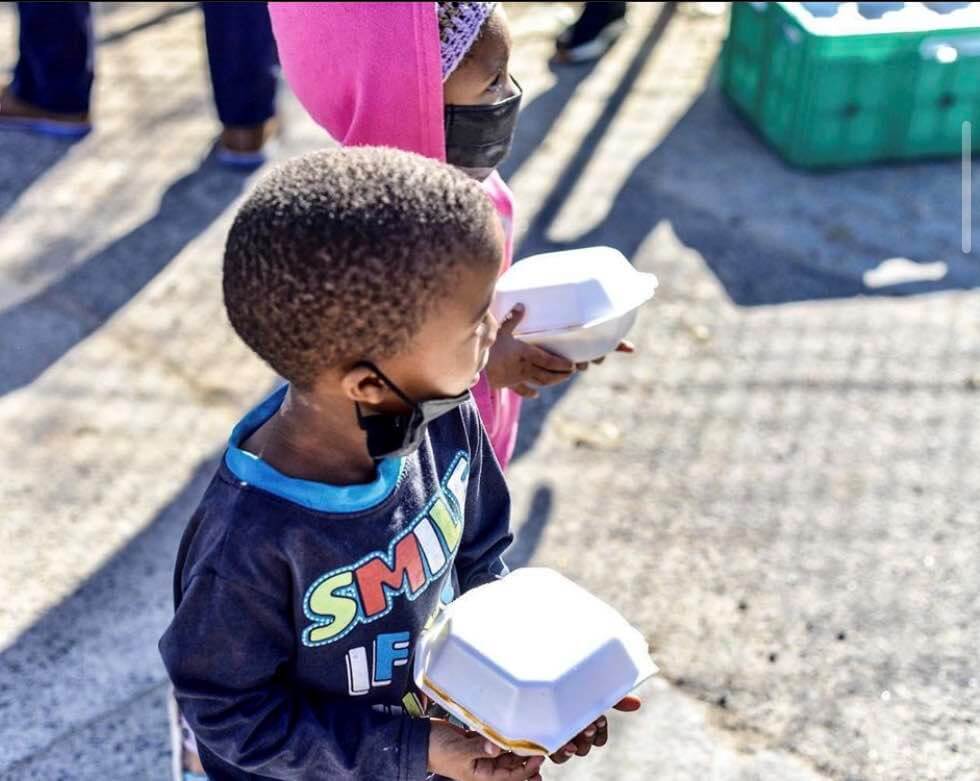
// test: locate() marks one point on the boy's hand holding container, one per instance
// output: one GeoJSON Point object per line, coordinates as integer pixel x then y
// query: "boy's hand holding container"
{"type": "Point", "coordinates": [579, 304]}
{"type": "Point", "coordinates": [467, 756]}
{"type": "Point", "coordinates": [524, 367]}
{"type": "Point", "coordinates": [521, 366]}
{"type": "Point", "coordinates": [596, 734]}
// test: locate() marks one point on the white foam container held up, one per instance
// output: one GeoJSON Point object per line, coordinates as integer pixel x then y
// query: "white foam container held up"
{"type": "Point", "coordinates": [578, 303]}
{"type": "Point", "coordinates": [530, 661]}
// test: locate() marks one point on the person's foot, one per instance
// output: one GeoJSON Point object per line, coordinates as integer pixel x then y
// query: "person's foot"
{"type": "Point", "coordinates": [245, 147]}
{"type": "Point", "coordinates": [596, 30]}
{"type": "Point", "coordinates": [17, 114]}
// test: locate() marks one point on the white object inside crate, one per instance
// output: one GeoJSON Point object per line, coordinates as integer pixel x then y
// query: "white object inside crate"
{"type": "Point", "coordinates": [871, 18]}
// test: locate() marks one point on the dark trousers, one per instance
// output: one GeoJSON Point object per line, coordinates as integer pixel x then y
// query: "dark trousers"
{"type": "Point", "coordinates": [56, 64]}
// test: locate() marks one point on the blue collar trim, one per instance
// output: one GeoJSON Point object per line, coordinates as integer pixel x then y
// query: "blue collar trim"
{"type": "Point", "coordinates": [249, 468]}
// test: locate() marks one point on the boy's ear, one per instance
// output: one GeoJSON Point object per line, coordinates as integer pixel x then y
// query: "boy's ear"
{"type": "Point", "coordinates": [363, 385]}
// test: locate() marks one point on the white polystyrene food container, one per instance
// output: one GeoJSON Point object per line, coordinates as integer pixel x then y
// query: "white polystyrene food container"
{"type": "Point", "coordinates": [531, 660]}
{"type": "Point", "coordinates": [585, 343]}
{"type": "Point", "coordinates": [578, 303]}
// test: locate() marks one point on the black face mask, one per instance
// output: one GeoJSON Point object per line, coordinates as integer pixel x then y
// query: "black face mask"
{"type": "Point", "coordinates": [401, 434]}
{"type": "Point", "coordinates": [479, 137]}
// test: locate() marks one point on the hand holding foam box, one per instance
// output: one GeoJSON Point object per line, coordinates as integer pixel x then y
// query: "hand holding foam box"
{"type": "Point", "coordinates": [578, 303]}
{"type": "Point", "coordinates": [529, 661]}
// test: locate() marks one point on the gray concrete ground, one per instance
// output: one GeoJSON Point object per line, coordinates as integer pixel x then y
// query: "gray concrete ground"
{"type": "Point", "coordinates": [780, 489]}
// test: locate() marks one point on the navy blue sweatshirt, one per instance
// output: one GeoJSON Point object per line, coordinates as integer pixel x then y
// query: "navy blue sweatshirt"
{"type": "Point", "coordinates": [298, 604]}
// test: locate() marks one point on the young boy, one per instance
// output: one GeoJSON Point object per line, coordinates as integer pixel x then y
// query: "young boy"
{"type": "Point", "coordinates": [360, 496]}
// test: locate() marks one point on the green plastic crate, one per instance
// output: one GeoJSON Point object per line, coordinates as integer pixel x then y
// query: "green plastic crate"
{"type": "Point", "coordinates": [823, 100]}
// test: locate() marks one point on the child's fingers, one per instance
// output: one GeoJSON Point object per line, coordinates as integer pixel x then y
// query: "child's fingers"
{"type": "Point", "coordinates": [550, 375]}
{"type": "Point", "coordinates": [485, 757]}
{"type": "Point", "coordinates": [513, 319]}
{"type": "Point", "coordinates": [484, 770]}
{"type": "Point", "coordinates": [629, 703]}
{"type": "Point", "coordinates": [544, 377]}
{"type": "Point", "coordinates": [524, 771]}
{"type": "Point", "coordinates": [549, 361]}
{"type": "Point", "coordinates": [525, 391]}
{"type": "Point", "coordinates": [565, 753]}
{"type": "Point", "coordinates": [533, 767]}
{"type": "Point", "coordinates": [602, 732]}
{"type": "Point", "coordinates": [509, 761]}
{"type": "Point", "coordinates": [492, 770]}
{"type": "Point", "coordinates": [583, 745]}
{"type": "Point", "coordinates": [481, 749]}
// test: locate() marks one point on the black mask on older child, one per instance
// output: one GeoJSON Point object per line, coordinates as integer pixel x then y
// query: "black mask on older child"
{"type": "Point", "coordinates": [401, 434]}
{"type": "Point", "coordinates": [479, 137]}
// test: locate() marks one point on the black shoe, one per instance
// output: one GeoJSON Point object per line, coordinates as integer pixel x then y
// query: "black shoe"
{"type": "Point", "coordinates": [593, 34]}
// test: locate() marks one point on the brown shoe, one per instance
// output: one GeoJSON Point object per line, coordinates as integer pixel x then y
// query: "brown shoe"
{"type": "Point", "coordinates": [17, 114]}
{"type": "Point", "coordinates": [245, 147]}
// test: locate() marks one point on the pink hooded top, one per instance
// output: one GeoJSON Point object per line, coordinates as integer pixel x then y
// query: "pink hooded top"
{"type": "Point", "coordinates": [370, 74]}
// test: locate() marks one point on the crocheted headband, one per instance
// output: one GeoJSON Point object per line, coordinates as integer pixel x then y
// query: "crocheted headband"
{"type": "Point", "coordinates": [459, 27]}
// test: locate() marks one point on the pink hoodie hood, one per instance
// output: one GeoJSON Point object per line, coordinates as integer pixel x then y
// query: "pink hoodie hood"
{"type": "Point", "coordinates": [370, 74]}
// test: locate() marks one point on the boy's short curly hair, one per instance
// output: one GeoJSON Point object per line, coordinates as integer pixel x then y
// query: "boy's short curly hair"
{"type": "Point", "coordinates": [340, 255]}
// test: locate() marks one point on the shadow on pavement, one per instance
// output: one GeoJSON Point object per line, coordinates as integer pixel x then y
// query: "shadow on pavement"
{"type": "Point", "coordinates": [773, 235]}
{"type": "Point", "coordinates": [20, 170]}
{"type": "Point", "coordinates": [531, 531]}
{"type": "Point", "coordinates": [97, 648]}
{"type": "Point", "coordinates": [158, 18]}
{"type": "Point", "coordinates": [40, 330]}
{"type": "Point", "coordinates": [536, 240]}
{"type": "Point", "coordinates": [769, 233]}
{"type": "Point", "coordinates": [533, 414]}
{"type": "Point", "coordinates": [539, 115]}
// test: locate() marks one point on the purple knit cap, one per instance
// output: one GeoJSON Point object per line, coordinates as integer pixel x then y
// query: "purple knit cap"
{"type": "Point", "coordinates": [459, 27]}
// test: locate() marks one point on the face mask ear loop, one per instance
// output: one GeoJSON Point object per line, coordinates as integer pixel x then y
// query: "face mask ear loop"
{"type": "Point", "coordinates": [391, 386]}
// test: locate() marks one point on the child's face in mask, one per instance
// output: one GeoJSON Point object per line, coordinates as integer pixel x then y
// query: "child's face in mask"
{"type": "Point", "coordinates": [481, 102]}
